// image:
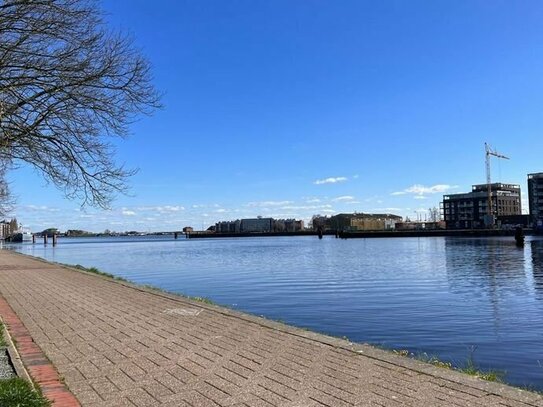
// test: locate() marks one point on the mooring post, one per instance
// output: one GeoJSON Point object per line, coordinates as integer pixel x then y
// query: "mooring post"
{"type": "Point", "coordinates": [519, 236]}
{"type": "Point", "coordinates": [54, 240]}
{"type": "Point", "coordinates": [33, 238]}
{"type": "Point", "coordinates": [45, 238]}
{"type": "Point", "coordinates": [175, 235]}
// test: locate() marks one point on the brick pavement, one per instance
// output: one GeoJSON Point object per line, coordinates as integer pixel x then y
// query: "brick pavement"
{"type": "Point", "coordinates": [115, 344]}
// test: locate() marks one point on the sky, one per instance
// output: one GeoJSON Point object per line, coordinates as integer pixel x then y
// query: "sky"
{"type": "Point", "coordinates": [295, 108]}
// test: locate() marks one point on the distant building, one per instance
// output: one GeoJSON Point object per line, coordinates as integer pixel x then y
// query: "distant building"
{"type": "Point", "coordinates": [468, 210]}
{"type": "Point", "coordinates": [357, 221]}
{"type": "Point", "coordinates": [7, 228]}
{"type": "Point", "coordinates": [256, 225]}
{"type": "Point", "coordinates": [259, 225]}
{"type": "Point", "coordinates": [188, 229]}
{"type": "Point", "coordinates": [535, 198]}
{"type": "Point", "coordinates": [288, 225]}
{"type": "Point", "coordinates": [228, 226]}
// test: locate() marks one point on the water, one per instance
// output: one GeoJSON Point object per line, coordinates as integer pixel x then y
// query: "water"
{"type": "Point", "coordinates": [454, 298]}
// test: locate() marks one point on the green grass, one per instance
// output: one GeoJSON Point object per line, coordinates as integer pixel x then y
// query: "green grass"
{"type": "Point", "coordinates": [469, 367]}
{"type": "Point", "coordinates": [489, 375]}
{"type": "Point", "coordinates": [17, 392]}
{"type": "Point", "coordinates": [201, 299]}
{"type": "Point", "coordinates": [3, 343]}
{"type": "Point", "coordinates": [94, 270]}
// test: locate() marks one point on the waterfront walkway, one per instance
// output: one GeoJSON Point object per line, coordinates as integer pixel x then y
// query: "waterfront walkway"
{"type": "Point", "coordinates": [115, 344]}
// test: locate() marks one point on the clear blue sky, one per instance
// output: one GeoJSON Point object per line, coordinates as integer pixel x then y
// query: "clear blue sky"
{"type": "Point", "coordinates": [392, 100]}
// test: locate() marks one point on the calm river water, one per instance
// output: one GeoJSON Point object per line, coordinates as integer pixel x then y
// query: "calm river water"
{"type": "Point", "coordinates": [448, 297]}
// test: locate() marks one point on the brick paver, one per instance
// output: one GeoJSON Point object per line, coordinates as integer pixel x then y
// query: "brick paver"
{"type": "Point", "coordinates": [119, 345]}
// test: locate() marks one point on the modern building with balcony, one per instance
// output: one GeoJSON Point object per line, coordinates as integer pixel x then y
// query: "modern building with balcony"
{"type": "Point", "coordinates": [468, 210]}
{"type": "Point", "coordinates": [535, 198]}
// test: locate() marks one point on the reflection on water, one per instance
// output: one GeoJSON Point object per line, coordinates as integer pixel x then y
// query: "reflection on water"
{"type": "Point", "coordinates": [535, 253]}
{"type": "Point", "coordinates": [443, 296]}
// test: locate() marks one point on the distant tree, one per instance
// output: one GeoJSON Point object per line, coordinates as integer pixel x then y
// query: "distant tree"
{"type": "Point", "coordinates": [49, 232]}
{"type": "Point", "coordinates": [67, 85]}
{"type": "Point", "coordinates": [434, 213]}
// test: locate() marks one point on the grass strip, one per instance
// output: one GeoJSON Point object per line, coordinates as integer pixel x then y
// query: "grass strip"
{"type": "Point", "coordinates": [3, 343]}
{"type": "Point", "coordinates": [469, 367]}
{"type": "Point", "coordinates": [17, 392]}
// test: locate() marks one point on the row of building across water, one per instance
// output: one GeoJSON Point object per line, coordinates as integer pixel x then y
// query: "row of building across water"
{"type": "Point", "coordinates": [468, 210]}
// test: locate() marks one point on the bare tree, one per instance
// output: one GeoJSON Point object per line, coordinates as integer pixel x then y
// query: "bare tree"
{"type": "Point", "coordinates": [434, 214]}
{"type": "Point", "coordinates": [6, 199]}
{"type": "Point", "coordinates": [67, 86]}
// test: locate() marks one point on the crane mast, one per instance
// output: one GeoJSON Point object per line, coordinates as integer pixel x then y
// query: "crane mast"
{"type": "Point", "coordinates": [490, 152]}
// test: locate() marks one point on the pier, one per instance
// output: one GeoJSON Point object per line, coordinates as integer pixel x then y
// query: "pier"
{"type": "Point", "coordinates": [112, 343]}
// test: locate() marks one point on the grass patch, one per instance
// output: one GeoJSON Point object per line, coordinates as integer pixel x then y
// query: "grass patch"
{"type": "Point", "coordinates": [469, 367]}
{"type": "Point", "coordinates": [3, 343]}
{"type": "Point", "coordinates": [17, 392]}
{"type": "Point", "coordinates": [490, 375]}
{"type": "Point", "coordinates": [94, 270]}
{"type": "Point", "coordinates": [202, 299]}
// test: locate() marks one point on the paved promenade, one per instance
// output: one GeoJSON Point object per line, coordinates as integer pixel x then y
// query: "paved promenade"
{"type": "Point", "coordinates": [118, 345]}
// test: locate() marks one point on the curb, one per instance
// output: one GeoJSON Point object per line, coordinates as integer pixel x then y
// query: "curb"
{"type": "Point", "coordinates": [28, 357]}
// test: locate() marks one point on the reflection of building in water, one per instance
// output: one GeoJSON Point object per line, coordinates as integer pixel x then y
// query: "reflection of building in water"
{"type": "Point", "coordinates": [490, 269]}
{"type": "Point", "coordinates": [535, 198]}
{"type": "Point", "coordinates": [536, 248]}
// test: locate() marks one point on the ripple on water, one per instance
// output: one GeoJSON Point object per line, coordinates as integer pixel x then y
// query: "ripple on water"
{"type": "Point", "coordinates": [450, 297]}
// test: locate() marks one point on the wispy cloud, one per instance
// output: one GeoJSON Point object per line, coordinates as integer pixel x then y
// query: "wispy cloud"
{"type": "Point", "coordinates": [40, 208]}
{"type": "Point", "coordinates": [161, 208]}
{"type": "Point", "coordinates": [420, 190]}
{"type": "Point", "coordinates": [264, 204]}
{"type": "Point", "coordinates": [305, 207]}
{"type": "Point", "coordinates": [128, 213]}
{"type": "Point", "coordinates": [389, 209]}
{"type": "Point", "coordinates": [345, 198]}
{"type": "Point", "coordinates": [330, 180]}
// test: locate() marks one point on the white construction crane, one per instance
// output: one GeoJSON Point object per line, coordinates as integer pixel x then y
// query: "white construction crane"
{"type": "Point", "coordinates": [490, 152]}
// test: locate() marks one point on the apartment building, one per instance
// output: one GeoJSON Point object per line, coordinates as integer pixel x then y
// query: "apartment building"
{"type": "Point", "coordinates": [468, 210]}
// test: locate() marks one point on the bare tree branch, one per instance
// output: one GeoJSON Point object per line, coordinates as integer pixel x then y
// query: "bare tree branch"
{"type": "Point", "coordinates": [67, 85]}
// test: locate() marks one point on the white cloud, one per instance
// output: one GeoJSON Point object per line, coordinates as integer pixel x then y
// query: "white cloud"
{"type": "Point", "coordinates": [330, 180]}
{"type": "Point", "coordinates": [161, 209]}
{"type": "Point", "coordinates": [222, 210]}
{"type": "Point", "coordinates": [313, 200]}
{"type": "Point", "coordinates": [345, 198]}
{"type": "Point", "coordinates": [421, 190]}
{"type": "Point", "coordinates": [128, 213]}
{"type": "Point", "coordinates": [39, 208]}
{"type": "Point", "coordinates": [264, 204]}
{"type": "Point", "coordinates": [304, 207]}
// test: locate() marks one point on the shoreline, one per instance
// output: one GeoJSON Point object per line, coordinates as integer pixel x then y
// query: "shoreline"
{"type": "Point", "coordinates": [372, 234]}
